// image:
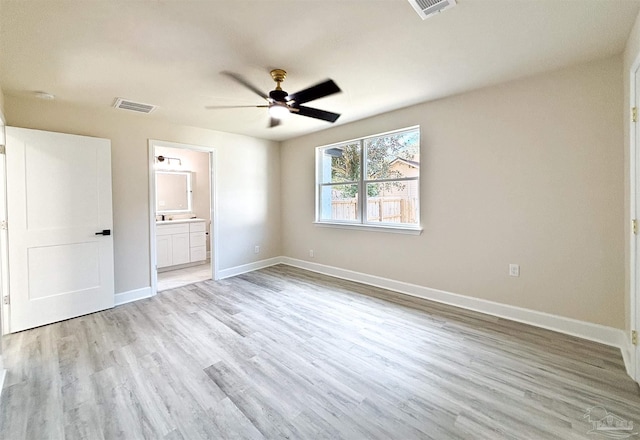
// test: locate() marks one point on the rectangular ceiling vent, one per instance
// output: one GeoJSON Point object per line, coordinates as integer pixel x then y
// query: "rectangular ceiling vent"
{"type": "Point", "coordinates": [126, 104]}
{"type": "Point", "coordinates": [427, 8]}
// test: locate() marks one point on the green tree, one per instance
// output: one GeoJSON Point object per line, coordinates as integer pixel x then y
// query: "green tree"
{"type": "Point", "coordinates": [380, 153]}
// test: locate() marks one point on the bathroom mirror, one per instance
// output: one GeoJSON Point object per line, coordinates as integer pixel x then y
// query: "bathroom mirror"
{"type": "Point", "coordinates": [173, 192]}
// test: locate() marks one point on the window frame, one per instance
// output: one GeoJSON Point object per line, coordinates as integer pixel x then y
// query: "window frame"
{"type": "Point", "coordinates": [361, 222]}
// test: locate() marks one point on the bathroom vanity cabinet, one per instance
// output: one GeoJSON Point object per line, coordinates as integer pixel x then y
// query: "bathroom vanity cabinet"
{"type": "Point", "coordinates": [180, 242]}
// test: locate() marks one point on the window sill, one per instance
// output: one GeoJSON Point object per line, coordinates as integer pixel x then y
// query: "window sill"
{"type": "Point", "coordinates": [409, 230]}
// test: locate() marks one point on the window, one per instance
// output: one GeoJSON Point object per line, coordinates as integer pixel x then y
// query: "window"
{"type": "Point", "coordinates": [373, 181]}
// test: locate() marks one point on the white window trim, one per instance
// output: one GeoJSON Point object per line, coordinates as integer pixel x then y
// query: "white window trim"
{"type": "Point", "coordinates": [362, 182]}
{"type": "Point", "coordinates": [384, 227]}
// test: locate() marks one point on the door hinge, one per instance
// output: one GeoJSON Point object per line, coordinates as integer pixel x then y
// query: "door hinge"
{"type": "Point", "coordinates": [5, 300]}
{"type": "Point", "coordinates": [634, 114]}
{"type": "Point", "coordinates": [3, 225]}
{"type": "Point", "coordinates": [634, 226]}
{"type": "Point", "coordinates": [634, 337]}
{"type": "Point", "coordinates": [3, 149]}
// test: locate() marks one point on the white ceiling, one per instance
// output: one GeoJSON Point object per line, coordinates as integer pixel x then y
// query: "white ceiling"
{"type": "Point", "coordinates": [381, 54]}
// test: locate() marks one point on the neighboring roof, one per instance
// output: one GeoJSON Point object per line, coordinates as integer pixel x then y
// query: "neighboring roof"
{"type": "Point", "coordinates": [412, 163]}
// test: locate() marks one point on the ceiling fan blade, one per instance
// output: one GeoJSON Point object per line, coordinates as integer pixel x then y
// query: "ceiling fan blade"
{"type": "Point", "coordinates": [316, 113]}
{"type": "Point", "coordinates": [273, 122]}
{"type": "Point", "coordinates": [314, 92]}
{"type": "Point", "coordinates": [214, 107]}
{"type": "Point", "coordinates": [247, 84]}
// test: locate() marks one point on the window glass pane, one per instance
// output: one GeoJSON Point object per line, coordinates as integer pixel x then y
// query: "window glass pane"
{"type": "Point", "coordinates": [393, 156]}
{"type": "Point", "coordinates": [340, 164]}
{"type": "Point", "coordinates": [339, 202]}
{"type": "Point", "coordinates": [389, 179]}
{"type": "Point", "coordinates": [393, 202]}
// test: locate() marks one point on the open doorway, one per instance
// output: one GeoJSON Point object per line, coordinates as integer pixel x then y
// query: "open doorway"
{"type": "Point", "coordinates": [182, 205]}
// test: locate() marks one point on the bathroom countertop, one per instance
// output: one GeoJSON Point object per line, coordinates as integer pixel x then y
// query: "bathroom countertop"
{"type": "Point", "coordinates": [179, 220]}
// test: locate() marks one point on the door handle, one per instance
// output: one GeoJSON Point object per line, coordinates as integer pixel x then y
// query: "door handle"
{"type": "Point", "coordinates": [104, 232]}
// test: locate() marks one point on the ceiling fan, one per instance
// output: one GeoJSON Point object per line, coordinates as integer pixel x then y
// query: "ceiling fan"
{"type": "Point", "coordinates": [281, 103]}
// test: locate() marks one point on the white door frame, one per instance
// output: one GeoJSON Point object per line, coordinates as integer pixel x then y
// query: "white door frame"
{"type": "Point", "coordinates": [213, 215]}
{"type": "Point", "coordinates": [634, 180]}
{"type": "Point", "coordinates": [4, 245]}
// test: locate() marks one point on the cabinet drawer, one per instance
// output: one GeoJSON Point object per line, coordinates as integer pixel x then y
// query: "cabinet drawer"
{"type": "Point", "coordinates": [198, 253]}
{"type": "Point", "coordinates": [197, 227]}
{"type": "Point", "coordinates": [197, 239]}
{"type": "Point", "coordinates": [172, 229]}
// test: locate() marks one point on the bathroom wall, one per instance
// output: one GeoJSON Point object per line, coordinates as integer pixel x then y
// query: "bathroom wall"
{"type": "Point", "coordinates": [198, 163]}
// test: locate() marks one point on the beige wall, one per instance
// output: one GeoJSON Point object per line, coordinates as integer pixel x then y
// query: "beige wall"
{"type": "Point", "coordinates": [528, 172]}
{"type": "Point", "coordinates": [248, 181]}
{"type": "Point", "coordinates": [631, 53]}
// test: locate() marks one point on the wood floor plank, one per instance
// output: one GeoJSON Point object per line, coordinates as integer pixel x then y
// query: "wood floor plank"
{"type": "Point", "coordinates": [286, 353]}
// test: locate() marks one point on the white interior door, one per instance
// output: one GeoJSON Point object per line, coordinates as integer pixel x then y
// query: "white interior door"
{"type": "Point", "coordinates": [58, 199]}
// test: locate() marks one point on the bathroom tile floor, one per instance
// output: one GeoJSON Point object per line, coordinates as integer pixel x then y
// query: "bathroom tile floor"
{"type": "Point", "coordinates": [181, 277]}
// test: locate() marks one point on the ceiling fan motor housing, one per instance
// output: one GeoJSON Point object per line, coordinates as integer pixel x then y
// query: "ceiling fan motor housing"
{"type": "Point", "coordinates": [283, 103]}
{"type": "Point", "coordinates": [278, 95]}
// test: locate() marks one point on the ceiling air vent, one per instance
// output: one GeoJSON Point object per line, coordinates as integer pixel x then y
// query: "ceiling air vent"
{"type": "Point", "coordinates": [427, 8]}
{"type": "Point", "coordinates": [125, 104]}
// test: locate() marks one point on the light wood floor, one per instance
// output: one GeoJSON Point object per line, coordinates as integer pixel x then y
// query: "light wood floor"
{"type": "Point", "coordinates": [285, 353]}
{"type": "Point", "coordinates": [181, 277]}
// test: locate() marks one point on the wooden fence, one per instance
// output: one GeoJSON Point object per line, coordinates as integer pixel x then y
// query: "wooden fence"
{"type": "Point", "coordinates": [379, 209]}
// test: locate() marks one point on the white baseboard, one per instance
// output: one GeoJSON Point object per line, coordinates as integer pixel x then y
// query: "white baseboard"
{"type": "Point", "coordinates": [586, 330]}
{"type": "Point", "coordinates": [237, 270]}
{"type": "Point", "coordinates": [132, 295]}
{"type": "Point", "coordinates": [626, 347]}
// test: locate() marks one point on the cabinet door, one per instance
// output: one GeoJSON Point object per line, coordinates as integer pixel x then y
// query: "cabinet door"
{"type": "Point", "coordinates": [164, 250]}
{"type": "Point", "coordinates": [180, 243]}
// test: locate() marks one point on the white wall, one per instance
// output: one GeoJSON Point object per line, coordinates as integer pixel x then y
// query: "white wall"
{"type": "Point", "coordinates": [248, 181]}
{"type": "Point", "coordinates": [527, 172]}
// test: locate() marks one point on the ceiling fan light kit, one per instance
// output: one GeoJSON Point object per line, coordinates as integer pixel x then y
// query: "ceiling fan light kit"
{"type": "Point", "coordinates": [280, 104]}
{"type": "Point", "coordinates": [278, 111]}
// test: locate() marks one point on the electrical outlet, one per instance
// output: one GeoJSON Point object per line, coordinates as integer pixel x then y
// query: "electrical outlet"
{"type": "Point", "coordinates": [311, 254]}
{"type": "Point", "coordinates": [256, 250]}
{"type": "Point", "coordinates": [514, 270]}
